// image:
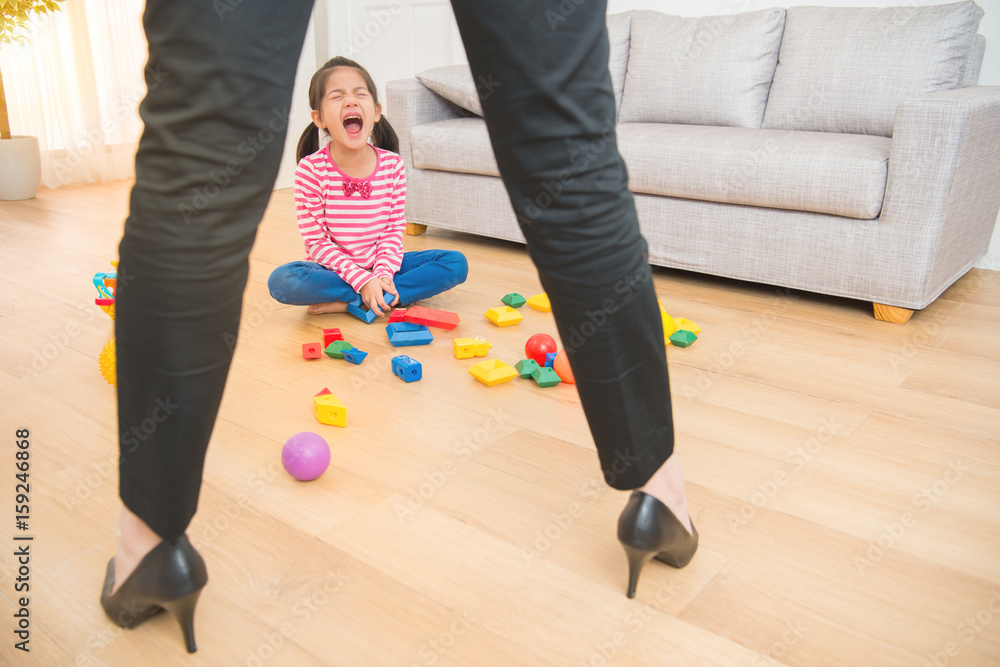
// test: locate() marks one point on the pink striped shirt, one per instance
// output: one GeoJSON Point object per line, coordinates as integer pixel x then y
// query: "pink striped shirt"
{"type": "Point", "coordinates": [356, 237]}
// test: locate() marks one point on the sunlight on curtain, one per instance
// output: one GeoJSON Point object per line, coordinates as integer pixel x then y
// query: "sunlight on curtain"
{"type": "Point", "coordinates": [77, 87]}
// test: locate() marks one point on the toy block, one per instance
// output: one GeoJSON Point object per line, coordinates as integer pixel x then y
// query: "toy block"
{"type": "Point", "coordinates": [323, 392]}
{"type": "Point", "coordinates": [466, 348]}
{"type": "Point", "coordinates": [330, 335]}
{"type": "Point", "coordinates": [357, 309]}
{"type": "Point", "coordinates": [503, 316]}
{"type": "Point", "coordinates": [549, 359]}
{"type": "Point", "coordinates": [493, 372]}
{"type": "Point", "coordinates": [669, 325]}
{"type": "Point", "coordinates": [546, 377]}
{"type": "Point", "coordinates": [388, 298]}
{"type": "Point", "coordinates": [402, 334]}
{"type": "Point", "coordinates": [397, 315]}
{"type": "Point", "coordinates": [429, 317]}
{"type": "Point", "coordinates": [526, 367]}
{"type": "Point", "coordinates": [407, 369]}
{"type": "Point", "coordinates": [682, 338]}
{"type": "Point", "coordinates": [480, 346]}
{"type": "Point", "coordinates": [514, 300]}
{"type": "Point", "coordinates": [687, 325]}
{"type": "Point", "coordinates": [335, 350]}
{"type": "Point", "coordinates": [312, 350]}
{"type": "Point", "coordinates": [329, 410]}
{"type": "Point", "coordinates": [354, 355]}
{"type": "Point", "coordinates": [540, 302]}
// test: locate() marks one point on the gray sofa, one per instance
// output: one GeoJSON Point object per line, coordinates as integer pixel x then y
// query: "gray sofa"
{"type": "Point", "coordinates": [844, 151]}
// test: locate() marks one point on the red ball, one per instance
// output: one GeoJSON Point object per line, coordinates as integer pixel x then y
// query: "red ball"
{"type": "Point", "coordinates": [538, 346]}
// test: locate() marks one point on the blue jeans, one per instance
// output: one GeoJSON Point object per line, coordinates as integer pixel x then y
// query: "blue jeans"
{"type": "Point", "coordinates": [421, 275]}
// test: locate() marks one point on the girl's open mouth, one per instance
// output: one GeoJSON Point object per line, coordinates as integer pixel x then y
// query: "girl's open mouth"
{"type": "Point", "coordinates": [353, 124]}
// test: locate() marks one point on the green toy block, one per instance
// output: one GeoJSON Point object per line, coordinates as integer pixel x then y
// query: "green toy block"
{"type": "Point", "coordinates": [526, 367]}
{"type": "Point", "coordinates": [514, 300]}
{"type": "Point", "coordinates": [335, 350]}
{"type": "Point", "coordinates": [546, 377]}
{"type": "Point", "coordinates": [682, 338]}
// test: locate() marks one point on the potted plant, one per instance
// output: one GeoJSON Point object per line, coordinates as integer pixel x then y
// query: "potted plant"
{"type": "Point", "coordinates": [20, 161]}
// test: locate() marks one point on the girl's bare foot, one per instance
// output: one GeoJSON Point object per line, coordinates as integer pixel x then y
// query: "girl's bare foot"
{"type": "Point", "coordinates": [323, 308]}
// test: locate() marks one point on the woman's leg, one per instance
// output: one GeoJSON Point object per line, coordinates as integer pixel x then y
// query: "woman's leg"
{"type": "Point", "coordinates": [426, 273]}
{"type": "Point", "coordinates": [216, 114]}
{"type": "Point", "coordinates": [551, 118]}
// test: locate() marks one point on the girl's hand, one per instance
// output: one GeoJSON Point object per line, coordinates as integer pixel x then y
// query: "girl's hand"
{"type": "Point", "coordinates": [371, 295]}
{"type": "Point", "coordinates": [388, 286]}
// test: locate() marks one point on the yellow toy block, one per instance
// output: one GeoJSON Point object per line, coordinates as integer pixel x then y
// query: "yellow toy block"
{"type": "Point", "coordinates": [669, 324]}
{"type": "Point", "coordinates": [540, 302]}
{"type": "Point", "coordinates": [660, 303]}
{"type": "Point", "coordinates": [466, 348]}
{"type": "Point", "coordinates": [493, 371]}
{"type": "Point", "coordinates": [503, 316]}
{"type": "Point", "coordinates": [329, 410]}
{"type": "Point", "coordinates": [687, 325]}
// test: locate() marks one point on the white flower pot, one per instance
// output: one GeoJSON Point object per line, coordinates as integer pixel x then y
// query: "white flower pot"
{"type": "Point", "coordinates": [20, 168]}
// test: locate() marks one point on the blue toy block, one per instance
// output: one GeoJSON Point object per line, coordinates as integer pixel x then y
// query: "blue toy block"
{"type": "Point", "coordinates": [549, 359]}
{"type": "Point", "coordinates": [406, 333]}
{"type": "Point", "coordinates": [357, 309]}
{"type": "Point", "coordinates": [406, 369]}
{"type": "Point", "coordinates": [388, 299]}
{"type": "Point", "coordinates": [354, 355]}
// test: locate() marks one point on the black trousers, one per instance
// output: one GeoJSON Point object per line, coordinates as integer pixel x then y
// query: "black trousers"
{"type": "Point", "coordinates": [220, 79]}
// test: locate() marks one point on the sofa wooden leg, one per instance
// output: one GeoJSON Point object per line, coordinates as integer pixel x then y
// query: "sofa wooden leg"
{"type": "Point", "coordinates": [893, 314]}
{"type": "Point", "coordinates": [414, 228]}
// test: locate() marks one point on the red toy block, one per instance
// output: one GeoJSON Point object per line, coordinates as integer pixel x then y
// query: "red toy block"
{"type": "Point", "coordinates": [330, 335]}
{"type": "Point", "coordinates": [398, 315]}
{"type": "Point", "coordinates": [312, 351]}
{"type": "Point", "coordinates": [324, 392]}
{"type": "Point", "coordinates": [429, 317]}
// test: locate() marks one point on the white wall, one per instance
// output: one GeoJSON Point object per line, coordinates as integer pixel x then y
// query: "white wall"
{"type": "Point", "coordinates": [397, 38]}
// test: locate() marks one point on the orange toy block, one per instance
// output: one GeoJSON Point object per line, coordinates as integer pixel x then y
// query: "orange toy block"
{"type": "Point", "coordinates": [492, 372]}
{"type": "Point", "coordinates": [441, 319]}
{"type": "Point", "coordinates": [503, 316]}
{"type": "Point", "coordinates": [311, 351]}
{"type": "Point", "coordinates": [561, 366]}
{"type": "Point", "coordinates": [466, 348]}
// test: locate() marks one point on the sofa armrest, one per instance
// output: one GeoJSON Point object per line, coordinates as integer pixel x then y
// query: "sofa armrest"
{"type": "Point", "coordinates": [942, 199]}
{"type": "Point", "coordinates": [409, 103]}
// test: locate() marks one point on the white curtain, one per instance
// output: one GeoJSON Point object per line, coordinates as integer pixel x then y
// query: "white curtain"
{"type": "Point", "coordinates": [76, 86]}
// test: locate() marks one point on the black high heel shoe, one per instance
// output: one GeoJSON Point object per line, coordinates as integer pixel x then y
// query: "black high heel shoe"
{"type": "Point", "coordinates": [169, 577]}
{"type": "Point", "coordinates": [648, 529]}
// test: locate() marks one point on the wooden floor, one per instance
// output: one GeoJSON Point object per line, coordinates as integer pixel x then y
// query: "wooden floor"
{"type": "Point", "coordinates": [844, 474]}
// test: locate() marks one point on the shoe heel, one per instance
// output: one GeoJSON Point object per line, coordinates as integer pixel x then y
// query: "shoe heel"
{"type": "Point", "coordinates": [637, 558]}
{"type": "Point", "coordinates": [183, 610]}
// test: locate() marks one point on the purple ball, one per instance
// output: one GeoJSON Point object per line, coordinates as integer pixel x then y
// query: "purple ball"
{"type": "Point", "coordinates": [305, 456]}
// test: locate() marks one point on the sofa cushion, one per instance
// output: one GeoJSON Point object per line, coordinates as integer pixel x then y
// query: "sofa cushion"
{"type": "Point", "coordinates": [456, 144]}
{"type": "Point", "coordinates": [846, 69]}
{"type": "Point", "coordinates": [714, 70]}
{"type": "Point", "coordinates": [619, 34]}
{"type": "Point", "coordinates": [455, 83]}
{"type": "Point", "coordinates": [841, 174]}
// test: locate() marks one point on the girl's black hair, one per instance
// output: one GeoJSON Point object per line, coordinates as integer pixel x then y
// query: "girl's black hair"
{"type": "Point", "coordinates": [383, 135]}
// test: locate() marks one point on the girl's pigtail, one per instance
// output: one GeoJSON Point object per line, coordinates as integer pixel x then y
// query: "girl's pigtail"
{"type": "Point", "coordinates": [384, 136]}
{"type": "Point", "coordinates": [308, 142]}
